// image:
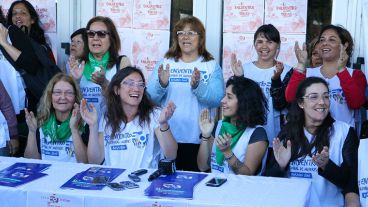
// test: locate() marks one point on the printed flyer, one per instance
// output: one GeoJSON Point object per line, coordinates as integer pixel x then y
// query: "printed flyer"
{"type": "Point", "coordinates": [178, 185]}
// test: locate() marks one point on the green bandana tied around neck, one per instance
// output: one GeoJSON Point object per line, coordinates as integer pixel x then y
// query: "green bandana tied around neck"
{"type": "Point", "coordinates": [228, 128]}
{"type": "Point", "coordinates": [90, 65]}
{"type": "Point", "coordinates": [57, 133]}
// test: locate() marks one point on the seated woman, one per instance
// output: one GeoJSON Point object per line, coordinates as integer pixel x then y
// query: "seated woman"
{"type": "Point", "coordinates": [132, 130]}
{"type": "Point", "coordinates": [57, 131]}
{"type": "Point", "coordinates": [241, 141]}
{"type": "Point", "coordinates": [314, 146]}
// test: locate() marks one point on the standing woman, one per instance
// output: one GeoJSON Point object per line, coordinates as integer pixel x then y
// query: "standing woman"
{"type": "Point", "coordinates": [241, 141]}
{"type": "Point", "coordinates": [133, 133]}
{"type": "Point", "coordinates": [57, 132]}
{"type": "Point", "coordinates": [346, 85]}
{"type": "Point", "coordinates": [314, 146]}
{"type": "Point", "coordinates": [78, 47]}
{"type": "Point", "coordinates": [189, 76]}
{"type": "Point", "coordinates": [266, 71]}
{"type": "Point", "coordinates": [95, 73]}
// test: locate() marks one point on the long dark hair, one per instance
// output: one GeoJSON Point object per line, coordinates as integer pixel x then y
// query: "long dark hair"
{"type": "Point", "coordinates": [294, 128]}
{"type": "Point", "coordinates": [115, 114]}
{"type": "Point", "coordinates": [36, 32]}
{"type": "Point", "coordinates": [197, 26]}
{"type": "Point", "coordinates": [2, 17]}
{"type": "Point", "coordinates": [252, 105]}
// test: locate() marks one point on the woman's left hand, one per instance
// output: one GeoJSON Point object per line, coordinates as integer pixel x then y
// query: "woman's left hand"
{"type": "Point", "coordinates": [98, 77]}
{"type": "Point", "coordinates": [321, 159]}
{"type": "Point", "coordinates": [343, 59]}
{"type": "Point", "coordinates": [223, 142]}
{"type": "Point", "coordinates": [196, 77]}
{"type": "Point", "coordinates": [279, 68]}
{"type": "Point", "coordinates": [74, 119]}
{"type": "Point", "coordinates": [167, 113]}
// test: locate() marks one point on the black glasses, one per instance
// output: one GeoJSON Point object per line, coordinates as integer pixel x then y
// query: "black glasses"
{"type": "Point", "coordinates": [100, 34]}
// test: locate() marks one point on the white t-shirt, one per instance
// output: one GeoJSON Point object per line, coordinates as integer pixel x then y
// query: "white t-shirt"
{"type": "Point", "coordinates": [323, 193]}
{"type": "Point", "coordinates": [134, 146]}
{"type": "Point", "coordinates": [187, 105]}
{"type": "Point", "coordinates": [92, 91]}
{"type": "Point", "coordinates": [363, 172]}
{"type": "Point", "coordinates": [57, 151]}
{"type": "Point", "coordinates": [263, 78]}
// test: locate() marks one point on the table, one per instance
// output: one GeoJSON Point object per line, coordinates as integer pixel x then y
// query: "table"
{"type": "Point", "coordinates": [238, 191]}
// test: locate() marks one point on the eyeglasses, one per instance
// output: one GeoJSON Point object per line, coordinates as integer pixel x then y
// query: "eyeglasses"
{"type": "Point", "coordinates": [191, 34]}
{"type": "Point", "coordinates": [76, 42]}
{"type": "Point", "coordinates": [68, 94]}
{"type": "Point", "coordinates": [131, 84]}
{"type": "Point", "coordinates": [100, 34]}
{"type": "Point", "coordinates": [315, 97]}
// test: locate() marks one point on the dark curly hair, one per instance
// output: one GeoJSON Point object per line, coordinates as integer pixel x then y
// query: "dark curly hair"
{"type": "Point", "coordinates": [115, 114]}
{"type": "Point", "coordinates": [252, 104]}
{"type": "Point", "coordinates": [294, 128]}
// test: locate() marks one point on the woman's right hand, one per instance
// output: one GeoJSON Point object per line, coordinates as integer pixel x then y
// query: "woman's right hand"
{"type": "Point", "coordinates": [3, 34]}
{"type": "Point", "coordinates": [31, 121]}
{"type": "Point", "coordinates": [90, 117]}
{"type": "Point", "coordinates": [282, 154]}
{"type": "Point", "coordinates": [301, 56]}
{"type": "Point", "coordinates": [76, 70]}
{"type": "Point", "coordinates": [164, 75]}
{"type": "Point", "coordinates": [205, 123]}
{"type": "Point", "coordinates": [236, 66]}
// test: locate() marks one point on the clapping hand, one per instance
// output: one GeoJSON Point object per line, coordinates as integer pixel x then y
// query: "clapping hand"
{"type": "Point", "coordinates": [3, 34]}
{"type": "Point", "coordinates": [75, 70]}
{"type": "Point", "coordinates": [31, 121]}
{"type": "Point", "coordinates": [282, 154]}
{"type": "Point", "coordinates": [196, 77]}
{"type": "Point", "coordinates": [163, 75]}
{"type": "Point", "coordinates": [321, 159]}
{"type": "Point", "coordinates": [167, 113]}
{"type": "Point", "coordinates": [99, 78]}
{"type": "Point", "coordinates": [74, 119]}
{"type": "Point", "coordinates": [90, 117]}
{"type": "Point", "coordinates": [343, 60]}
{"type": "Point", "coordinates": [223, 142]}
{"type": "Point", "coordinates": [236, 66]}
{"type": "Point", "coordinates": [301, 55]}
{"type": "Point", "coordinates": [279, 68]}
{"type": "Point", "coordinates": [206, 124]}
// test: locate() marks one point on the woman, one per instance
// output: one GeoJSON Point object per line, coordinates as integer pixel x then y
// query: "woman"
{"type": "Point", "coordinates": [241, 143]}
{"type": "Point", "coordinates": [314, 54]}
{"type": "Point", "coordinates": [133, 130]}
{"type": "Point", "coordinates": [266, 70]}
{"type": "Point", "coordinates": [189, 76]}
{"type": "Point", "coordinates": [312, 145]}
{"type": "Point", "coordinates": [346, 85]}
{"type": "Point", "coordinates": [95, 73]}
{"type": "Point", "coordinates": [57, 132]}
{"type": "Point", "coordinates": [78, 47]}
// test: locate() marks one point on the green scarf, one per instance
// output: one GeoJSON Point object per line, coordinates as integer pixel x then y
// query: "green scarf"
{"type": "Point", "coordinates": [235, 132]}
{"type": "Point", "coordinates": [90, 65]}
{"type": "Point", "coordinates": [57, 134]}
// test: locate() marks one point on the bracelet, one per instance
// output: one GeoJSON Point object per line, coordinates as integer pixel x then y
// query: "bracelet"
{"type": "Point", "coordinates": [168, 127]}
{"type": "Point", "coordinates": [231, 156]}
{"type": "Point", "coordinates": [205, 138]}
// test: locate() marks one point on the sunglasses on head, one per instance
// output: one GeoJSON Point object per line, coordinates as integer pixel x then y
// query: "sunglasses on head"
{"type": "Point", "coordinates": [100, 34]}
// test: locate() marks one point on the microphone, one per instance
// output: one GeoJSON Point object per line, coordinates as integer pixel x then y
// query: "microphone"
{"type": "Point", "coordinates": [155, 175]}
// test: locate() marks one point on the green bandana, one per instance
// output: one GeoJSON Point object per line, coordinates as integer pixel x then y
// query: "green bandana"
{"type": "Point", "coordinates": [90, 65]}
{"type": "Point", "coordinates": [235, 132]}
{"type": "Point", "coordinates": [57, 133]}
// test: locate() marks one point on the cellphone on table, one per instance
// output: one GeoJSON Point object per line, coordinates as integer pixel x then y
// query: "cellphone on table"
{"type": "Point", "coordinates": [115, 186]}
{"type": "Point", "coordinates": [216, 182]}
{"type": "Point", "coordinates": [134, 175]}
{"type": "Point", "coordinates": [129, 184]}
